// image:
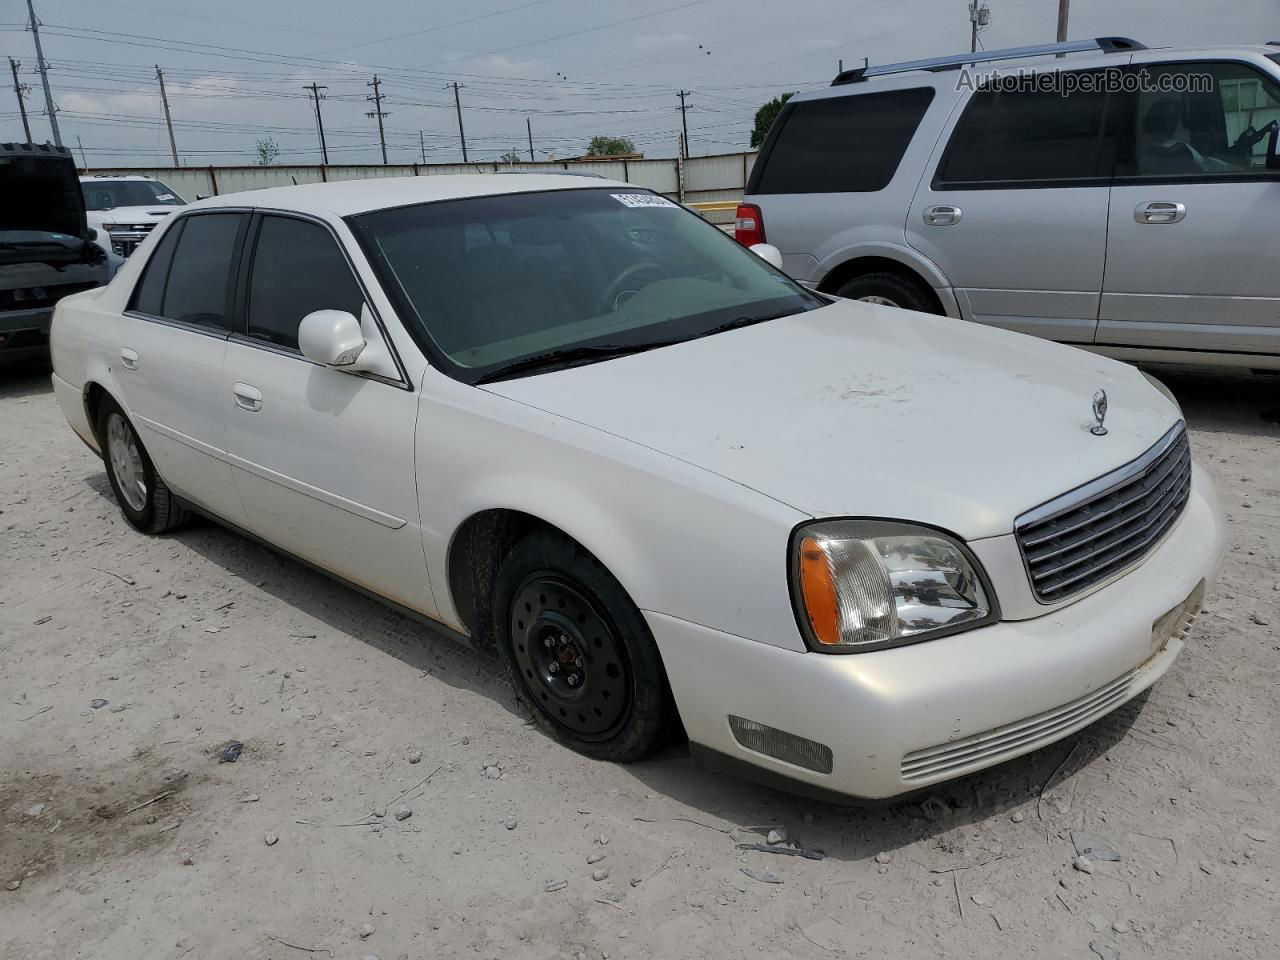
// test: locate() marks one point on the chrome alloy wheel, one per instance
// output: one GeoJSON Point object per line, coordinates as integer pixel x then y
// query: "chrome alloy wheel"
{"type": "Point", "coordinates": [126, 462]}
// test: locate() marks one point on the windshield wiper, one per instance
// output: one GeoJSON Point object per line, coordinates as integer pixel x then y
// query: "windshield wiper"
{"type": "Point", "coordinates": [569, 356]}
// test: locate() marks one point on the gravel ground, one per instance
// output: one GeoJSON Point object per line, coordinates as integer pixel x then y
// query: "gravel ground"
{"type": "Point", "coordinates": [128, 663]}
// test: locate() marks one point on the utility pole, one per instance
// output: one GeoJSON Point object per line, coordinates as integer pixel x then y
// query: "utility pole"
{"type": "Point", "coordinates": [461, 135]}
{"type": "Point", "coordinates": [83, 158]}
{"type": "Point", "coordinates": [377, 111]}
{"type": "Point", "coordinates": [422, 145]}
{"type": "Point", "coordinates": [1063, 8]}
{"type": "Point", "coordinates": [684, 122]}
{"type": "Point", "coordinates": [979, 17]}
{"type": "Point", "coordinates": [528, 125]}
{"type": "Point", "coordinates": [317, 96]}
{"type": "Point", "coordinates": [20, 91]}
{"type": "Point", "coordinates": [44, 76]}
{"type": "Point", "coordinates": [168, 120]}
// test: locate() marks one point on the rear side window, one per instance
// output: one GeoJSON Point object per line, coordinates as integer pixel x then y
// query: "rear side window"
{"type": "Point", "coordinates": [297, 269]}
{"type": "Point", "coordinates": [848, 144]}
{"type": "Point", "coordinates": [149, 296]}
{"type": "Point", "coordinates": [1020, 136]}
{"type": "Point", "coordinates": [195, 272]}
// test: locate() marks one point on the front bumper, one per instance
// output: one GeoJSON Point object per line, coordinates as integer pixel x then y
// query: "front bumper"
{"type": "Point", "coordinates": [881, 712]}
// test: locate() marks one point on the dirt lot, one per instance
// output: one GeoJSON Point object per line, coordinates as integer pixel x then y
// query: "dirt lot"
{"type": "Point", "coordinates": [127, 663]}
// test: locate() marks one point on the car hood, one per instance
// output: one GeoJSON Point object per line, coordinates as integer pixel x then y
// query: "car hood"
{"type": "Point", "coordinates": [862, 410]}
{"type": "Point", "coordinates": [150, 214]}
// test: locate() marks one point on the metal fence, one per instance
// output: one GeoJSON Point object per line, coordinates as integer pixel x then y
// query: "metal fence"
{"type": "Point", "coordinates": [696, 180]}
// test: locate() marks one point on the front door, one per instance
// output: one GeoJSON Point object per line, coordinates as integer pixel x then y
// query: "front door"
{"type": "Point", "coordinates": [169, 359]}
{"type": "Point", "coordinates": [323, 460]}
{"type": "Point", "coordinates": [1193, 244]}
{"type": "Point", "coordinates": [1015, 212]}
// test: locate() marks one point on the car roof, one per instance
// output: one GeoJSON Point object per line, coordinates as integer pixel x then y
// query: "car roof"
{"type": "Point", "coordinates": [944, 80]}
{"type": "Point", "coordinates": [346, 197]}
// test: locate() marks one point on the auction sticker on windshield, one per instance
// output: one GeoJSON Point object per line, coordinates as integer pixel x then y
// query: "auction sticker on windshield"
{"type": "Point", "coordinates": [642, 200]}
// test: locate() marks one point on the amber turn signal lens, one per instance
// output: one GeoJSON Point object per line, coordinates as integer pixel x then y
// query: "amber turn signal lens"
{"type": "Point", "coordinates": [818, 589]}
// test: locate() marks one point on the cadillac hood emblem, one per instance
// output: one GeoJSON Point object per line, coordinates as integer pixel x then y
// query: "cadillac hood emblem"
{"type": "Point", "coordinates": [1099, 414]}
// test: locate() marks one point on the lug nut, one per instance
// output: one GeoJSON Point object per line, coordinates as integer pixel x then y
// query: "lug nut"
{"type": "Point", "coordinates": [548, 642]}
{"type": "Point", "coordinates": [573, 679]}
{"type": "Point", "coordinates": [578, 662]}
{"type": "Point", "coordinates": [553, 667]}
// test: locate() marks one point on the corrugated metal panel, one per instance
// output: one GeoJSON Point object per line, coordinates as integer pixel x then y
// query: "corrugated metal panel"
{"type": "Point", "coordinates": [239, 179]}
{"type": "Point", "coordinates": [713, 173]}
{"type": "Point", "coordinates": [659, 175]}
{"type": "Point", "coordinates": [369, 172]}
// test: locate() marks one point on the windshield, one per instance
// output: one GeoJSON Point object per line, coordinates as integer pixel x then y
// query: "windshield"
{"type": "Point", "coordinates": [506, 281]}
{"type": "Point", "coordinates": [109, 194]}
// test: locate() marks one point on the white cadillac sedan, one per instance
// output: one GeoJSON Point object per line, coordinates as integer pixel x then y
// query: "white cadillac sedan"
{"type": "Point", "coordinates": [855, 548]}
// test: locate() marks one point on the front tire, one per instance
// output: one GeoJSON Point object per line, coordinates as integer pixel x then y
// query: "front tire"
{"type": "Point", "coordinates": [145, 500]}
{"type": "Point", "coordinates": [580, 655]}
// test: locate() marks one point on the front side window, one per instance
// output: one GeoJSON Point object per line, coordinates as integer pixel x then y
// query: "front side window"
{"type": "Point", "coordinates": [197, 288]}
{"type": "Point", "coordinates": [110, 194]}
{"type": "Point", "coordinates": [1200, 119]}
{"type": "Point", "coordinates": [497, 284]}
{"type": "Point", "coordinates": [1031, 132]}
{"type": "Point", "coordinates": [841, 144]}
{"type": "Point", "coordinates": [297, 269]}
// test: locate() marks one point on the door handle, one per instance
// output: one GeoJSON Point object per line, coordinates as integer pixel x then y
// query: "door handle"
{"type": "Point", "coordinates": [943, 216]}
{"type": "Point", "coordinates": [129, 359]}
{"type": "Point", "coordinates": [1160, 211]}
{"type": "Point", "coordinates": [247, 397]}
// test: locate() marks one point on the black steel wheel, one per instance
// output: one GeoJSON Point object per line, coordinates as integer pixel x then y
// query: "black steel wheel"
{"type": "Point", "coordinates": [581, 656]}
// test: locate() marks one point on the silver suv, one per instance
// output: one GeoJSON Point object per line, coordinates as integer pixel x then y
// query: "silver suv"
{"type": "Point", "coordinates": [1097, 192]}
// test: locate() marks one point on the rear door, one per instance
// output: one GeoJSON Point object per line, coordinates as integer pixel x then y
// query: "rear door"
{"type": "Point", "coordinates": [1193, 245]}
{"type": "Point", "coordinates": [170, 358]}
{"type": "Point", "coordinates": [1015, 212]}
{"type": "Point", "coordinates": [323, 459]}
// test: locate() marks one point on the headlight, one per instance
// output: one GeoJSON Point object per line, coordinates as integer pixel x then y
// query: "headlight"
{"type": "Point", "coordinates": [1163, 389]}
{"type": "Point", "coordinates": [863, 584]}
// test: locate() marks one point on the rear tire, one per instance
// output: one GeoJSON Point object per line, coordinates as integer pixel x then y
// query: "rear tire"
{"type": "Point", "coordinates": [892, 290]}
{"type": "Point", "coordinates": [580, 655]}
{"type": "Point", "coordinates": [145, 500]}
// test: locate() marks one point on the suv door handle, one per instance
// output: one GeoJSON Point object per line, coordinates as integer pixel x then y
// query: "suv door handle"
{"type": "Point", "coordinates": [943, 216]}
{"type": "Point", "coordinates": [1160, 211]}
{"type": "Point", "coordinates": [129, 359]}
{"type": "Point", "coordinates": [247, 397]}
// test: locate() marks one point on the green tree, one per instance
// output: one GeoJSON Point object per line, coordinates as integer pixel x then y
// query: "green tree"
{"type": "Point", "coordinates": [511, 156]}
{"type": "Point", "coordinates": [610, 147]}
{"type": "Point", "coordinates": [268, 151]}
{"type": "Point", "coordinates": [765, 117]}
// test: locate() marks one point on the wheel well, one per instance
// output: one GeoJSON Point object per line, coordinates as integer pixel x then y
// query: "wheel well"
{"type": "Point", "coordinates": [94, 394]}
{"type": "Point", "coordinates": [860, 266]}
{"type": "Point", "coordinates": [477, 551]}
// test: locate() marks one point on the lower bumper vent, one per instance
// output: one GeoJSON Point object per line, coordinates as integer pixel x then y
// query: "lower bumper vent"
{"type": "Point", "coordinates": [782, 745]}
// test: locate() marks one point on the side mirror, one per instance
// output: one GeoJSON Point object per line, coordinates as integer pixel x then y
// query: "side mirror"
{"type": "Point", "coordinates": [331, 337]}
{"type": "Point", "coordinates": [768, 253]}
{"type": "Point", "coordinates": [1273, 147]}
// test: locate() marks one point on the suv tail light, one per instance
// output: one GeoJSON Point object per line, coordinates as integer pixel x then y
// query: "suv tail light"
{"type": "Point", "coordinates": [748, 225]}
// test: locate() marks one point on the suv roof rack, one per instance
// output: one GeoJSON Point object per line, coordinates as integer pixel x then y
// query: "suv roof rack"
{"type": "Point", "coordinates": [938, 64]}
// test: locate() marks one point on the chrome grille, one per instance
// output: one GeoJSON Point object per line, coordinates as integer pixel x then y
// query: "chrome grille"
{"type": "Point", "coordinates": [1090, 534]}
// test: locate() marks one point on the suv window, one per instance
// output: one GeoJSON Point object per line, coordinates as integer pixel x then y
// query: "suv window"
{"type": "Point", "coordinates": [195, 271]}
{"type": "Point", "coordinates": [297, 269]}
{"type": "Point", "coordinates": [1022, 136]}
{"type": "Point", "coordinates": [1200, 119]}
{"type": "Point", "coordinates": [845, 144]}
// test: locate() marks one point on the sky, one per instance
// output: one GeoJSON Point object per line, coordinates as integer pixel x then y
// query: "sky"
{"type": "Point", "coordinates": [235, 70]}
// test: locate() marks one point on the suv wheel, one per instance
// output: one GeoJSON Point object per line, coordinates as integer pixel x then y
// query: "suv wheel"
{"type": "Point", "coordinates": [144, 499]}
{"type": "Point", "coordinates": [580, 654]}
{"type": "Point", "coordinates": [890, 290]}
